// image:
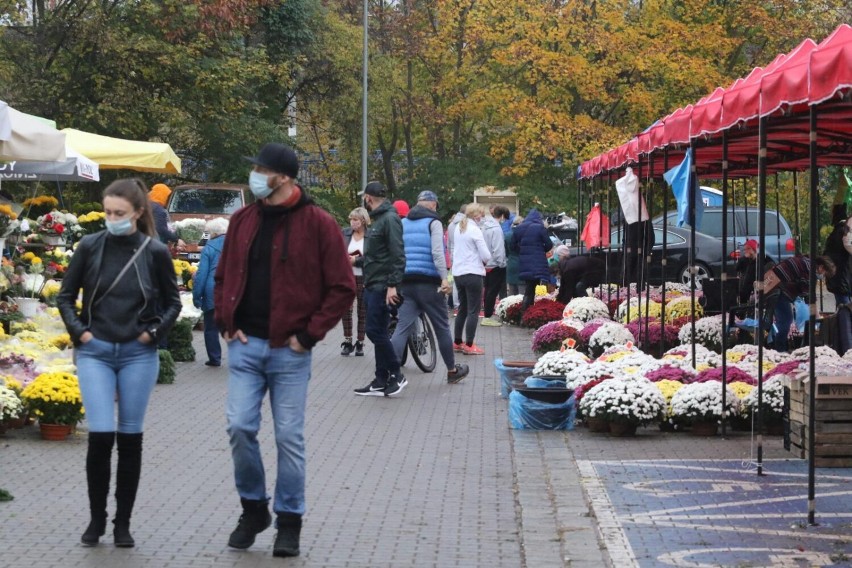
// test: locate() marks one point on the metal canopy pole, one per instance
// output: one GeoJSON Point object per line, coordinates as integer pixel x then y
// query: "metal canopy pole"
{"type": "Point", "coordinates": [796, 206]}
{"type": "Point", "coordinates": [581, 184]}
{"type": "Point", "coordinates": [650, 205]}
{"type": "Point", "coordinates": [778, 219]}
{"type": "Point", "coordinates": [663, 261]}
{"type": "Point", "coordinates": [814, 234]}
{"type": "Point", "coordinates": [761, 262]}
{"type": "Point", "coordinates": [724, 280]}
{"type": "Point", "coordinates": [693, 180]}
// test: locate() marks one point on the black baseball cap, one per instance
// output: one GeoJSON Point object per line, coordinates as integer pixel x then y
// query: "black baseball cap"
{"type": "Point", "coordinates": [374, 188]}
{"type": "Point", "coordinates": [278, 158]}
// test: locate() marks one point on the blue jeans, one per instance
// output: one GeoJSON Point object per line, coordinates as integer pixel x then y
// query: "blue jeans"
{"type": "Point", "coordinates": [105, 369]}
{"type": "Point", "coordinates": [420, 298]}
{"type": "Point", "coordinates": [254, 369]}
{"type": "Point", "coordinates": [378, 319]}
{"type": "Point", "coordinates": [211, 338]}
{"type": "Point", "coordinates": [783, 321]}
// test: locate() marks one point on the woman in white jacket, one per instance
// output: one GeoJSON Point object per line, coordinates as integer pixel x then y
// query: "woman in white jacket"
{"type": "Point", "coordinates": [470, 254]}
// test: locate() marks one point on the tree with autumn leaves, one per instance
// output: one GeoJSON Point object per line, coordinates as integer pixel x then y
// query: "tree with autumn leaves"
{"type": "Point", "coordinates": [463, 93]}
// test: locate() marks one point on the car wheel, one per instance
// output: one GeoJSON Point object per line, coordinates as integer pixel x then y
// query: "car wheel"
{"type": "Point", "coordinates": [702, 272]}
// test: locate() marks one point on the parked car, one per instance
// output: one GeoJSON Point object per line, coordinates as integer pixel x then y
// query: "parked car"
{"type": "Point", "coordinates": [708, 257]}
{"type": "Point", "coordinates": [205, 201]}
{"type": "Point", "coordinates": [743, 225]}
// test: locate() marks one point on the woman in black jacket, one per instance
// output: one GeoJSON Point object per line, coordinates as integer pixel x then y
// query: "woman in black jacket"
{"type": "Point", "coordinates": [130, 298]}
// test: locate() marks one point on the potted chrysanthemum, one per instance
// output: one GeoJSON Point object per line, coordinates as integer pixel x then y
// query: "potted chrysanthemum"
{"type": "Point", "coordinates": [550, 337]}
{"type": "Point", "coordinates": [625, 404]}
{"type": "Point", "coordinates": [700, 406]}
{"type": "Point", "coordinates": [771, 406]}
{"type": "Point", "coordinates": [54, 398]}
{"type": "Point", "coordinates": [11, 407]}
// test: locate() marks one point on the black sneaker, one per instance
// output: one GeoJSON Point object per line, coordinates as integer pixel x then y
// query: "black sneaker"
{"type": "Point", "coordinates": [346, 348]}
{"type": "Point", "coordinates": [375, 388]}
{"type": "Point", "coordinates": [359, 348]}
{"type": "Point", "coordinates": [459, 372]}
{"type": "Point", "coordinates": [395, 385]}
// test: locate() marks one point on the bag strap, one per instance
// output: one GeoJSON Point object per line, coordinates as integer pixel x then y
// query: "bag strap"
{"type": "Point", "coordinates": [124, 270]}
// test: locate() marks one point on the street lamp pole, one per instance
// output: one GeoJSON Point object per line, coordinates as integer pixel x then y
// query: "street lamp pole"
{"type": "Point", "coordinates": [364, 94]}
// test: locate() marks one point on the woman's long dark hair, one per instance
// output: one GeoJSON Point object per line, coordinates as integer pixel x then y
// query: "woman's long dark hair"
{"type": "Point", "coordinates": [135, 192]}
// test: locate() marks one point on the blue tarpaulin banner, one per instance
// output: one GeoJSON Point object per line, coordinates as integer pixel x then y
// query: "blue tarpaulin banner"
{"type": "Point", "coordinates": [678, 179]}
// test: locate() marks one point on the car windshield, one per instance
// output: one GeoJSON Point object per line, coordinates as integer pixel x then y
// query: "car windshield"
{"type": "Point", "coordinates": [206, 201]}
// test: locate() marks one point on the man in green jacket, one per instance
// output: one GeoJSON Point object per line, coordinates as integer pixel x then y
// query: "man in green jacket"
{"type": "Point", "coordinates": [384, 266]}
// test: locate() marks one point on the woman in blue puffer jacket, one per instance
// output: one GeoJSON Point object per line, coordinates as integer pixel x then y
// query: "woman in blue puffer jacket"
{"type": "Point", "coordinates": [202, 287]}
{"type": "Point", "coordinates": [532, 243]}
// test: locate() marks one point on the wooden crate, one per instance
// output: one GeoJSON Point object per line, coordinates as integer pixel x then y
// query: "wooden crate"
{"type": "Point", "coordinates": [832, 427]}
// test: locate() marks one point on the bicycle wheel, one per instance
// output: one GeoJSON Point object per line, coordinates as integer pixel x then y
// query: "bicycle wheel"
{"type": "Point", "coordinates": [421, 344]}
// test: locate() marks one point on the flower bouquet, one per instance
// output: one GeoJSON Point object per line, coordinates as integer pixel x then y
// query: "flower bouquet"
{"type": "Point", "coordinates": [551, 336]}
{"type": "Point", "coordinates": [190, 230]}
{"type": "Point", "coordinates": [701, 404]}
{"type": "Point", "coordinates": [92, 222]}
{"type": "Point", "coordinates": [41, 205]}
{"type": "Point", "coordinates": [586, 309]}
{"type": "Point", "coordinates": [6, 218]}
{"type": "Point", "coordinates": [542, 312]}
{"type": "Point", "coordinates": [53, 228]}
{"type": "Point", "coordinates": [509, 309]}
{"type": "Point", "coordinates": [54, 398]}
{"type": "Point", "coordinates": [608, 335]}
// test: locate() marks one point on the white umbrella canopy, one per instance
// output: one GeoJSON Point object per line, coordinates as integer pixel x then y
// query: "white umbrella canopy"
{"type": "Point", "coordinates": [24, 137]}
{"type": "Point", "coordinates": [75, 167]}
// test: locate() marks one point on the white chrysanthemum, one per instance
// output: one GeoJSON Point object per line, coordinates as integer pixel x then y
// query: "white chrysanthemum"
{"type": "Point", "coordinates": [559, 363]}
{"type": "Point", "coordinates": [697, 402]}
{"type": "Point", "coordinates": [586, 309]}
{"type": "Point", "coordinates": [636, 401]}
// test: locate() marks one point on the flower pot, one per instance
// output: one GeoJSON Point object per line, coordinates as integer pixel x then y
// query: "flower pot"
{"type": "Point", "coordinates": [54, 432]}
{"type": "Point", "coordinates": [53, 240]}
{"type": "Point", "coordinates": [597, 424]}
{"type": "Point", "coordinates": [704, 428]}
{"type": "Point", "coordinates": [17, 423]}
{"type": "Point", "coordinates": [27, 306]}
{"type": "Point", "coordinates": [622, 429]}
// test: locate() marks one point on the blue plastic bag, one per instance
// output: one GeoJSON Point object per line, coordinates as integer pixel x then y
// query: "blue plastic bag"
{"type": "Point", "coordinates": [509, 375]}
{"type": "Point", "coordinates": [528, 414]}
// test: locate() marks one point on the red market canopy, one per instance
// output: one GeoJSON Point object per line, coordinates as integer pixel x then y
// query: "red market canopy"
{"type": "Point", "coordinates": [783, 92]}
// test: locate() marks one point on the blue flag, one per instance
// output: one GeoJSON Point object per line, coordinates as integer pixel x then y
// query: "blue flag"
{"type": "Point", "coordinates": [678, 179]}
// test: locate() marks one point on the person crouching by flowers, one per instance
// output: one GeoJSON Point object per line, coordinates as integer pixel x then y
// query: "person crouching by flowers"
{"type": "Point", "coordinates": [202, 288]}
{"type": "Point", "coordinates": [130, 298]}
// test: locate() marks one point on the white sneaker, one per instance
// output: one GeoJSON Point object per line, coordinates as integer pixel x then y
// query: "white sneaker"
{"type": "Point", "coordinates": [490, 322]}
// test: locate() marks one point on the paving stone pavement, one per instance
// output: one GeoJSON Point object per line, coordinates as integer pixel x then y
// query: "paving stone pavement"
{"type": "Point", "coordinates": [433, 478]}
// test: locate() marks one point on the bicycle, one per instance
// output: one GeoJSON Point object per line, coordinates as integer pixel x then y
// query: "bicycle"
{"type": "Point", "coordinates": [421, 343]}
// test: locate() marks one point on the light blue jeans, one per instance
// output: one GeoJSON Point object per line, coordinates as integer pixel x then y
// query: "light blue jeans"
{"type": "Point", "coordinates": [105, 369]}
{"type": "Point", "coordinates": [255, 368]}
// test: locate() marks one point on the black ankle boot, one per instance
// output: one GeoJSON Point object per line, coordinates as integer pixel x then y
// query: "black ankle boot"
{"type": "Point", "coordinates": [95, 530]}
{"type": "Point", "coordinates": [98, 458]}
{"type": "Point", "coordinates": [359, 348]}
{"type": "Point", "coordinates": [346, 348]}
{"type": "Point", "coordinates": [255, 519]}
{"type": "Point", "coordinates": [287, 539]}
{"type": "Point", "coordinates": [127, 482]}
{"type": "Point", "coordinates": [121, 534]}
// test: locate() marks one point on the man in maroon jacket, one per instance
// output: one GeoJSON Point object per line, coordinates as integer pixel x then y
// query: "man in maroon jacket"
{"type": "Point", "coordinates": [283, 281]}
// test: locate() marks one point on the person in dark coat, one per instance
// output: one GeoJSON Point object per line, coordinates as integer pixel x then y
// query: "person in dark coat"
{"type": "Point", "coordinates": [841, 283]}
{"type": "Point", "coordinates": [576, 273]}
{"type": "Point", "coordinates": [532, 243]}
{"type": "Point", "coordinates": [159, 197]}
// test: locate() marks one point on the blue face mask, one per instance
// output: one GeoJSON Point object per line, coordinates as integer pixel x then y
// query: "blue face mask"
{"type": "Point", "coordinates": [259, 185]}
{"type": "Point", "coordinates": [119, 228]}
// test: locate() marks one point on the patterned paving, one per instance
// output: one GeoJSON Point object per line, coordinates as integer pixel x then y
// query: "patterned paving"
{"type": "Point", "coordinates": [707, 513]}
